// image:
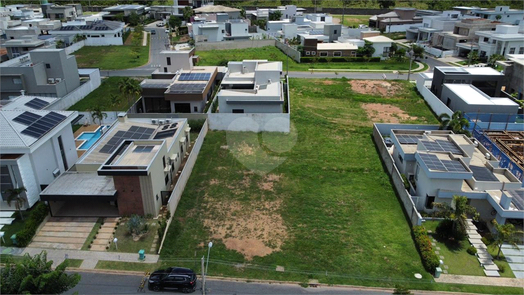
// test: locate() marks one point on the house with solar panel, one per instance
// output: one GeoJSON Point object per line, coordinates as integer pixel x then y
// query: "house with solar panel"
{"type": "Point", "coordinates": [125, 10]}
{"type": "Point", "coordinates": [132, 169]}
{"type": "Point", "coordinates": [439, 164]}
{"type": "Point", "coordinates": [36, 146]}
{"type": "Point", "coordinates": [96, 33]}
{"type": "Point", "coordinates": [42, 72]}
{"type": "Point", "coordinates": [185, 91]}
{"type": "Point", "coordinates": [252, 86]}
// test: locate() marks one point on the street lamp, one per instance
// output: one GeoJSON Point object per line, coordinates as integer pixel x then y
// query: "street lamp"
{"type": "Point", "coordinates": [411, 53]}
{"type": "Point", "coordinates": [116, 245]}
{"type": "Point", "coordinates": [208, 250]}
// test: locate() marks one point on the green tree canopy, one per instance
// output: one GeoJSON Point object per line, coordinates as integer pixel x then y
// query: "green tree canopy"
{"type": "Point", "coordinates": [457, 122]}
{"type": "Point", "coordinates": [275, 15]}
{"type": "Point", "coordinates": [133, 19]}
{"type": "Point", "coordinates": [367, 50]}
{"type": "Point", "coordinates": [187, 13]}
{"type": "Point", "coordinates": [385, 3]}
{"type": "Point", "coordinates": [457, 212]}
{"type": "Point", "coordinates": [506, 233]}
{"type": "Point", "coordinates": [34, 275]}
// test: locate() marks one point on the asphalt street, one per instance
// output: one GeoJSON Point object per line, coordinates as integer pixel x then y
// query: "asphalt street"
{"type": "Point", "coordinates": [103, 283]}
{"type": "Point", "coordinates": [159, 42]}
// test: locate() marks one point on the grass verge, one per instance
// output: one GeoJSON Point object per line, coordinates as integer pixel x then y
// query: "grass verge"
{"type": "Point", "coordinates": [92, 234]}
{"type": "Point", "coordinates": [13, 228]}
{"type": "Point", "coordinates": [129, 266]}
{"type": "Point", "coordinates": [74, 262]}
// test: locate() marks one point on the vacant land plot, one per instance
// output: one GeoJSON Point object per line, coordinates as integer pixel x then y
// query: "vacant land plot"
{"type": "Point", "coordinates": [351, 20]}
{"type": "Point", "coordinates": [221, 57]}
{"type": "Point", "coordinates": [112, 57]}
{"type": "Point", "coordinates": [322, 204]}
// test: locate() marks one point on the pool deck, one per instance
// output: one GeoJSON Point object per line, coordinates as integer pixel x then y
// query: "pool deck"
{"type": "Point", "coordinates": [88, 128]}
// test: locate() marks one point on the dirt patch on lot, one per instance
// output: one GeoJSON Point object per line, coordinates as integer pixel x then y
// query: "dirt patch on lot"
{"type": "Point", "coordinates": [328, 82]}
{"type": "Point", "coordinates": [385, 113]}
{"type": "Point", "coordinates": [374, 87]}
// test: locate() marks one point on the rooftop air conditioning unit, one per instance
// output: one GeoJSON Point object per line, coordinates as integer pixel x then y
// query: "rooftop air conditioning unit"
{"type": "Point", "coordinates": [56, 173]}
{"type": "Point", "coordinates": [168, 121]}
{"type": "Point", "coordinates": [488, 156]}
{"type": "Point", "coordinates": [160, 122]}
{"type": "Point", "coordinates": [57, 80]}
{"type": "Point", "coordinates": [50, 81]}
{"type": "Point", "coordinates": [154, 121]}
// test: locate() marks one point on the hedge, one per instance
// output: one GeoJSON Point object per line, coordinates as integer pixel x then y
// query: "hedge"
{"type": "Point", "coordinates": [430, 260]}
{"type": "Point", "coordinates": [38, 214]}
{"type": "Point", "coordinates": [338, 59]}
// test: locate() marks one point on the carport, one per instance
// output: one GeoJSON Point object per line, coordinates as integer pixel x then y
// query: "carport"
{"type": "Point", "coordinates": [81, 194]}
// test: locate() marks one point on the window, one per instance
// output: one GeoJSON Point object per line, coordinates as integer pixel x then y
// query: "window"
{"type": "Point", "coordinates": [323, 53]}
{"type": "Point", "coordinates": [157, 197]}
{"type": "Point", "coordinates": [400, 158]}
{"type": "Point", "coordinates": [62, 152]}
{"type": "Point", "coordinates": [223, 31]}
{"type": "Point", "coordinates": [195, 109]}
{"type": "Point", "coordinates": [353, 53]}
{"type": "Point", "coordinates": [47, 66]}
{"type": "Point", "coordinates": [17, 81]}
{"type": "Point", "coordinates": [166, 179]}
{"type": "Point", "coordinates": [164, 161]}
{"type": "Point", "coordinates": [512, 50]}
{"type": "Point", "coordinates": [429, 202]}
{"type": "Point", "coordinates": [6, 181]}
{"type": "Point", "coordinates": [323, 19]}
{"type": "Point", "coordinates": [335, 31]}
{"type": "Point", "coordinates": [165, 69]}
{"type": "Point", "coordinates": [181, 149]}
{"type": "Point", "coordinates": [521, 50]}
{"type": "Point", "coordinates": [337, 53]}
{"type": "Point", "coordinates": [238, 111]}
{"type": "Point", "coordinates": [486, 39]}
{"type": "Point", "coordinates": [313, 53]}
{"type": "Point", "coordinates": [168, 59]}
{"type": "Point", "coordinates": [417, 168]}
{"type": "Point", "coordinates": [308, 53]}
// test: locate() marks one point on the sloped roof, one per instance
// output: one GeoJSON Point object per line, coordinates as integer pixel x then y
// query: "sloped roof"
{"type": "Point", "coordinates": [215, 9]}
{"type": "Point", "coordinates": [103, 25]}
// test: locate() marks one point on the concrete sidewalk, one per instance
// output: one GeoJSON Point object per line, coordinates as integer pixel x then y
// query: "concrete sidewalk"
{"type": "Point", "coordinates": [480, 280]}
{"type": "Point", "coordinates": [90, 258]}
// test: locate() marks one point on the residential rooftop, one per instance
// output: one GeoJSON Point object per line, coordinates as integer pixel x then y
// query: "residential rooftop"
{"type": "Point", "coordinates": [473, 96]}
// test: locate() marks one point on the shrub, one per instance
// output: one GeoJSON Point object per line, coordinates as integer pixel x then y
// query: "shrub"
{"type": "Point", "coordinates": [429, 258]}
{"type": "Point", "coordinates": [405, 181]}
{"type": "Point", "coordinates": [38, 214]}
{"type": "Point", "coordinates": [399, 289]}
{"type": "Point", "coordinates": [444, 229]}
{"type": "Point", "coordinates": [135, 225]}
{"type": "Point", "coordinates": [485, 241]}
{"type": "Point", "coordinates": [471, 250]}
{"type": "Point", "coordinates": [338, 59]}
{"type": "Point", "coordinates": [502, 267]}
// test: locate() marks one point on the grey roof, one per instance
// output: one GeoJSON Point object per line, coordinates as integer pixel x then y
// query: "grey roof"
{"type": "Point", "coordinates": [74, 183]}
{"type": "Point", "coordinates": [123, 7]}
{"type": "Point", "coordinates": [156, 83]}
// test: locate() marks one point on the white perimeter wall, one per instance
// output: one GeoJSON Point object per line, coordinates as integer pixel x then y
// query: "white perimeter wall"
{"type": "Point", "coordinates": [250, 122]}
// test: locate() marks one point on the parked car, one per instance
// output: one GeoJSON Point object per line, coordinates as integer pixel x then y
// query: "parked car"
{"type": "Point", "coordinates": [183, 279]}
{"type": "Point", "coordinates": [153, 32]}
{"type": "Point", "coordinates": [167, 31]}
{"type": "Point", "coordinates": [160, 24]}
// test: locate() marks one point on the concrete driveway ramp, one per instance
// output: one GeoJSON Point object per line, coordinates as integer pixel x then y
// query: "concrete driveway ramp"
{"type": "Point", "coordinates": [64, 233]}
{"type": "Point", "coordinates": [515, 258]}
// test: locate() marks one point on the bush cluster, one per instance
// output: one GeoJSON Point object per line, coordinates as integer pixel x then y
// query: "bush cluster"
{"type": "Point", "coordinates": [338, 59]}
{"type": "Point", "coordinates": [471, 250]}
{"type": "Point", "coordinates": [429, 258]}
{"type": "Point", "coordinates": [38, 214]}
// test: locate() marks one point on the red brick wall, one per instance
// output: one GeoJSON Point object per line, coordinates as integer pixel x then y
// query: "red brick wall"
{"type": "Point", "coordinates": [129, 195]}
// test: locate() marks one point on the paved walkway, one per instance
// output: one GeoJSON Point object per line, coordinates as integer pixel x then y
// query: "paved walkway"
{"type": "Point", "coordinates": [483, 256]}
{"type": "Point", "coordinates": [90, 258]}
{"type": "Point", "coordinates": [476, 280]}
{"type": "Point", "coordinates": [64, 233]}
{"type": "Point", "coordinates": [515, 258]}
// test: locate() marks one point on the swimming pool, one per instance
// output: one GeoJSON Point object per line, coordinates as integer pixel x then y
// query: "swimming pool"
{"type": "Point", "coordinates": [90, 138]}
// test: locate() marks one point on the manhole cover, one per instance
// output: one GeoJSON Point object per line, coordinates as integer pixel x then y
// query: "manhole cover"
{"type": "Point", "coordinates": [418, 276]}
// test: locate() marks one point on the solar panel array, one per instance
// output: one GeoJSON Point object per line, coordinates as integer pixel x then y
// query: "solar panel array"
{"type": "Point", "coordinates": [408, 139]}
{"type": "Point", "coordinates": [134, 132]}
{"type": "Point", "coordinates": [143, 149]}
{"type": "Point", "coordinates": [43, 125]}
{"type": "Point", "coordinates": [518, 198]}
{"type": "Point", "coordinates": [27, 118]}
{"type": "Point", "coordinates": [441, 146]}
{"type": "Point", "coordinates": [482, 173]}
{"type": "Point", "coordinates": [37, 104]}
{"type": "Point", "coordinates": [187, 88]}
{"type": "Point", "coordinates": [434, 163]}
{"type": "Point", "coordinates": [194, 77]}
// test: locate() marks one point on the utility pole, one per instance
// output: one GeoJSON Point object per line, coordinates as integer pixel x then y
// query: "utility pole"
{"type": "Point", "coordinates": [203, 277]}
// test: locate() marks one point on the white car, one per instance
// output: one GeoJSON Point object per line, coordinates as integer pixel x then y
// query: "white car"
{"type": "Point", "coordinates": [167, 31]}
{"type": "Point", "coordinates": [161, 24]}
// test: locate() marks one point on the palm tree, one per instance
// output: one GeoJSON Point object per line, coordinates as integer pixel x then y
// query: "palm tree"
{"type": "Point", "coordinates": [129, 87]}
{"type": "Point", "coordinates": [15, 194]}
{"type": "Point", "coordinates": [457, 212]}
{"type": "Point", "coordinates": [98, 114]}
{"type": "Point", "coordinates": [456, 122]}
{"type": "Point", "coordinates": [506, 233]}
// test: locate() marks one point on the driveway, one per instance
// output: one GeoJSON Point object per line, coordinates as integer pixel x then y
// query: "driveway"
{"type": "Point", "coordinates": [64, 233]}
{"type": "Point", "coordinates": [515, 258]}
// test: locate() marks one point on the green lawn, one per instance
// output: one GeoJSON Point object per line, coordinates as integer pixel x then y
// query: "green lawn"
{"type": "Point", "coordinates": [102, 97]}
{"type": "Point", "coordinates": [500, 262]}
{"type": "Point", "coordinates": [353, 20]}
{"type": "Point", "coordinates": [125, 240]}
{"type": "Point", "coordinates": [112, 57]}
{"type": "Point", "coordinates": [221, 57]}
{"type": "Point", "coordinates": [74, 262]}
{"type": "Point", "coordinates": [13, 228]}
{"type": "Point", "coordinates": [128, 266]}
{"type": "Point", "coordinates": [90, 238]}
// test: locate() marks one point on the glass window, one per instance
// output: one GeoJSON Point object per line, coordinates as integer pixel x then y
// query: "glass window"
{"type": "Point", "coordinates": [6, 181]}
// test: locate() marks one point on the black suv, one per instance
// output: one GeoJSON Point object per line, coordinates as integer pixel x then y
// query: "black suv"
{"type": "Point", "coordinates": [183, 279]}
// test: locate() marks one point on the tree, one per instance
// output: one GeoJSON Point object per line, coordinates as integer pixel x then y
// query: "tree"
{"type": "Point", "coordinates": [187, 13]}
{"type": "Point", "coordinates": [15, 194]}
{"type": "Point", "coordinates": [135, 225]}
{"type": "Point", "coordinates": [242, 12]}
{"type": "Point", "coordinates": [492, 61]}
{"type": "Point", "coordinates": [385, 4]}
{"type": "Point", "coordinates": [457, 213]}
{"type": "Point", "coordinates": [275, 15]}
{"type": "Point", "coordinates": [34, 275]}
{"type": "Point", "coordinates": [98, 114]}
{"type": "Point", "coordinates": [285, 2]}
{"type": "Point", "coordinates": [418, 51]}
{"type": "Point", "coordinates": [79, 38]}
{"type": "Point", "coordinates": [506, 233]}
{"type": "Point", "coordinates": [498, 17]}
{"type": "Point", "coordinates": [261, 23]}
{"type": "Point", "coordinates": [129, 88]}
{"type": "Point", "coordinates": [60, 44]}
{"type": "Point", "coordinates": [114, 99]}
{"type": "Point", "coordinates": [473, 57]}
{"type": "Point", "coordinates": [456, 122]}
{"type": "Point", "coordinates": [175, 22]}
{"type": "Point", "coordinates": [400, 54]}
{"type": "Point", "coordinates": [367, 50]}
{"type": "Point", "coordinates": [133, 19]}
{"type": "Point", "coordinates": [119, 17]}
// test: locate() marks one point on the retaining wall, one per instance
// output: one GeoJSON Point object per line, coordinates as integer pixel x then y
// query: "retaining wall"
{"type": "Point", "coordinates": [74, 47]}
{"type": "Point", "coordinates": [206, 46]}
{"type": "Point", "coordinates": [434, 102]}
{"type": "Point", "coordinates": [79, 93]}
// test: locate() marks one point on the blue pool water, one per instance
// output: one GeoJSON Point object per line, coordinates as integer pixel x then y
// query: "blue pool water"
{"type": "Point", "coordinates": [90, 138]}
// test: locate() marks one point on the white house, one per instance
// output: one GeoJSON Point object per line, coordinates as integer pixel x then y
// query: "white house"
{"type": "Point", "coordinates": [36, 146]}
{"type": "Point", "coordinates": [504, 40]}
{"type": "Point", "coordinates": [507, 15]}
{"type": "Point", "coordinates": [252, 86]}
{"type": "Point", "coordinates": [382, 45]}
{"type": "Point", "coordinates": [97, 33]}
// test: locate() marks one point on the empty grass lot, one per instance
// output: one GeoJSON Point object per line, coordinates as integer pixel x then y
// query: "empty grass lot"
{"type": "Point", "coordinates": [102, 97]}
{"type": "Point", "coordinates": [221, 57]}
{"type": "Point", "coordinates": [112, 57]}
{"type": "Point", "coordinates": [353, 20]}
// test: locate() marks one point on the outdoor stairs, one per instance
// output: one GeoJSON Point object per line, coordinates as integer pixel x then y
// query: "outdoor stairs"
{"type": "Point", "coordinates": [485, 259]}
{"type": "Point", "coordinates": [104, 237]}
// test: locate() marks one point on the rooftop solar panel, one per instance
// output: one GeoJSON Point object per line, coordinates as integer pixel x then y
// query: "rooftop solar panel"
{"type": "Point", "coordinates": [449, 146]}
{"type": "Point", "coordinates": [408, 138]}
{"type": "Point", "coordinates": [432, 162]}
{"type": "Point", "coordinates": [194, 77]}
{"type": "Point", "coordinates": [37, 104]}
{"type": "Point", "coordinates": [134, 132]}
{"type": "Point", "coordinates": [44, 125]}
{"type": "Point", "coordinates": [27, 118]}
{"type": "Point", "coordinates": [453, 166]}
{"type": "Point", "coordinates": [482, 173]}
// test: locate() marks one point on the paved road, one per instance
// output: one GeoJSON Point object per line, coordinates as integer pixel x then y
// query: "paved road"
{"type": "Point", "coordinates": [159, 42]}
{"type": "Point", "coordinates": [102, 283]}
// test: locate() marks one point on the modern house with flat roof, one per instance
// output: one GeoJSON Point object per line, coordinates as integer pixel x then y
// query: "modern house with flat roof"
{"type": "Point", "coordinates": [62, 12]}
{"type": "Point", "coordinates": [36, 146]}
{"type": "Point", "coordinates": [505, 40]}
{"type": "Point", "coordinates": [395, 21]}
{"type": "Point", "coordinates": [514, 74]}
{"type": "Point", "coordinates": [42, 72]}
{"type": "Point", "coordinates": [506, 14]}
{"type": "Point", "coordinates": [440, 164]}
{"type": "Point", "coordinates": [124, 10]}
{"type": "Point", "coordinates": [17, 47]}
{"type": "Point", "coordinates": [97, 33]}
{"type": "Point", "coordinates": [487, 79]}
{"type": "Point", "coordinates": [469, 99]}
{"type": "Point", "coordinates": [252, 86]}
{"type": "Point", "coordinates": [131, 169]}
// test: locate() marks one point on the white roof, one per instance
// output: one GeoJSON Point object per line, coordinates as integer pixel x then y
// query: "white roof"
{"type": "Point", "coordinates": [215, 9]}
{"type": "Point", "coordinates": [473, 96]}
{"type": "Point", "coordinates": [336, 46]}
{"type": "Point", "coordinates": [18, 103]}
{"type": "Point", "coordinates": [379, 39]}
{"type": "Point", "coordinates": [483, 71]}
